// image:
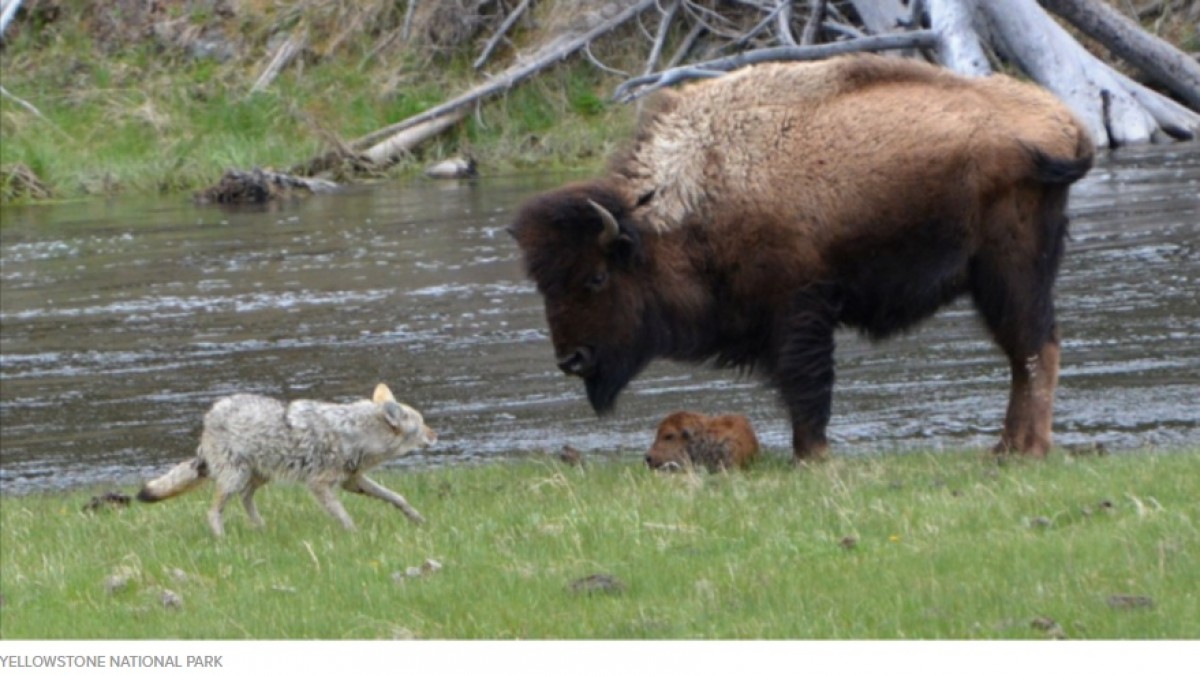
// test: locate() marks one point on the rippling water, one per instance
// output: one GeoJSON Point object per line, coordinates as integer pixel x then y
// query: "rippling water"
{"type": "Point", "coordinates": [121, 322]}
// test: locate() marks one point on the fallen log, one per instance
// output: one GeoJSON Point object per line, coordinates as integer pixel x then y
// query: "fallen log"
{"type": "Point", "coordinates": [260, 186]}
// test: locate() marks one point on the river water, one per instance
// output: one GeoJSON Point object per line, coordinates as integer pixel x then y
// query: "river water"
{"type": "Point", "coordinates": [121, 322]}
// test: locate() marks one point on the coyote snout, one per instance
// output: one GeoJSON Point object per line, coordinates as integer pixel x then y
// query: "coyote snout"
{"type": "Point", "coordinates": [249, 440]}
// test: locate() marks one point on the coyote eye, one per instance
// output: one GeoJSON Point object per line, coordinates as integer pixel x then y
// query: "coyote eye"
{"type": "Point", "coordinates": [669, 437]}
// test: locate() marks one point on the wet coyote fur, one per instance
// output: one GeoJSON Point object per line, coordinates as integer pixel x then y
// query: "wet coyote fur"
{"type": "Point", "coordinates": [249, 440]}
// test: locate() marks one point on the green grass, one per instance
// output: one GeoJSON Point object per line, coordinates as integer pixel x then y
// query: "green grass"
{"type": "Point", "coordinates": [945, 546]}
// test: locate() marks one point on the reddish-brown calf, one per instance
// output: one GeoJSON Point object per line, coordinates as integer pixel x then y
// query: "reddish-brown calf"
{"type": "Point", "coordinates": [689, 438]}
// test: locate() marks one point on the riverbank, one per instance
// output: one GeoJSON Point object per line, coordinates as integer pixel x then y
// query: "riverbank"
{"type": "Point", "coordinates": [130, 103]}
{"type": "Point", "coordinates": [945, 545]}
{"type": "Point", "coordinates": [136, 98]}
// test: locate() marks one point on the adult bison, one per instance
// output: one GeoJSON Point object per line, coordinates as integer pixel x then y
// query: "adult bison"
{"type": "Point", "coordinates": [757, 212]}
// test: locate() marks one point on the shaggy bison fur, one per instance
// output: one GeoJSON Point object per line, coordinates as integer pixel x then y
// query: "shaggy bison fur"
{"type": "Point", "coordinates": [757, 212]}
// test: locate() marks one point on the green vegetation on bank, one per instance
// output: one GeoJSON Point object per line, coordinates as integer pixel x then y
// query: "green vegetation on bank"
{"type": "Point", "coordinates": [136, 107]}
{"type": "Point", "coordinates": [947, 545]}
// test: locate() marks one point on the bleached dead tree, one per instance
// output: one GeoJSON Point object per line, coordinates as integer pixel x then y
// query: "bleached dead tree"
{"type": "Point", "coordinates": [1117, 109]}
{"type": "Point", "coordinates": [975, 37]}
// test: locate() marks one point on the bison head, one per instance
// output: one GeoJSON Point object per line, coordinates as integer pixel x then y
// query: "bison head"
{"type": "Point", "coordinates": [586, 256]}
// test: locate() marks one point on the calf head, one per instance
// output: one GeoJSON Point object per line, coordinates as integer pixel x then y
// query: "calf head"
{"type": "Point", "coordinates": [676, 434]}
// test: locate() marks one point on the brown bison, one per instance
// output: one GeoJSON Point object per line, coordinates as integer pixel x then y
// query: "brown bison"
{"type": "Point", "coordinates": [758, 211]}
{"type": "Point", "coordinates": [717, 443]}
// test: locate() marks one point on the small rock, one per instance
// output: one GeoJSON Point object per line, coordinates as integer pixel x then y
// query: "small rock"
{"type": "Point", "coordinates": [430, 566]}
{"type": "Point", "coordinates": [1121, 601]}
{"type": "Point", "coordinates": [170, 599]}
{"type": "Point", "coordinates": [454, 167]}
{"type": "Point", "coordinates": [178, 575]}
{"type": "Point", "coordinates": [1049, 626]}
{"type": "Point", "coordinates": [848, 542]}
{"type": "Point", "coordinates": [1041, 521]}
{"type": "Point", "coordinates": [107, 500]}
{"type": "Point", "coordinates": [570, 455]}
{"type": "Point", "coordinates": [597, 583]}
{"type": "Point", "coordinates": [115, 583]}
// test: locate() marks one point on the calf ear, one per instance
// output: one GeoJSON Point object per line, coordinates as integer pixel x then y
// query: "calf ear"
{"type": "Point", "coordinates": [383, 394]}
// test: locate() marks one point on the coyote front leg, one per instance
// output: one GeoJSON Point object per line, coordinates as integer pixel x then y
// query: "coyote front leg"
{"type": "Point", "coordinates": [365, 486]}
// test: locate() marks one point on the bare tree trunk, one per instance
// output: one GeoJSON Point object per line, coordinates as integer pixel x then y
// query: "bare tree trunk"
{"type": "Point", "coordinates": [959, 48]}
{"type": "Point", "coordinates": [1150, 54]}
{"type": "Point", "coordinates": [881, 16]}
{"type": "Point", "coordinates": [1116, 110]}
{"type": "Point", "coordinates": [283, 56]}
{"type": "Point", "coordinates": [8, 9]}
{"type": "Point", "coordinates": [385, 151]}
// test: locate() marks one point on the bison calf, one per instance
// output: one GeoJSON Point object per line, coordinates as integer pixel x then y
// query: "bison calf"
{"type": "Point", "coordinates": [757, 212]}
{"type": "Point", "coordinates": [716, 443]}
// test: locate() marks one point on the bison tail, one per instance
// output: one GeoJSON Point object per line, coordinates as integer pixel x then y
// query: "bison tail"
{"type": "Point", "coordinates": [1059, 171]}
{"type": "Point", "coordinates": [178, 480]}
{"type": "Point", "coordinates": [1064, 170]}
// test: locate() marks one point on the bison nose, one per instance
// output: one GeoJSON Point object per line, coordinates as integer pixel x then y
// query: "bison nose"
{"type": "Point", "coordinates": [580, 362]}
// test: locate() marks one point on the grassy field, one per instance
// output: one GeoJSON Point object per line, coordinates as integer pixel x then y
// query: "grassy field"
{"type": "Point", "coordinates": [897, 546]}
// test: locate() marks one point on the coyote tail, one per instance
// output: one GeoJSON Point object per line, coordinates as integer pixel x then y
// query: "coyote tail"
{"type": "Point", "coordinates": [180, 479]}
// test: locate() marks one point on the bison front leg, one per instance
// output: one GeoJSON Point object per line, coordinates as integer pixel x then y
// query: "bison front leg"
{"type": "Point", "coordinates": [804, 375]}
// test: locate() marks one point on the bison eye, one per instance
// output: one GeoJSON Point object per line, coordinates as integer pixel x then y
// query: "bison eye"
{"type": "Point", "coordinates": [597, 280]}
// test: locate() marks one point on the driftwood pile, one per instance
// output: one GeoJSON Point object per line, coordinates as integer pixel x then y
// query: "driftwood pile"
{"type": "Point", "coordinates": [976, 37]}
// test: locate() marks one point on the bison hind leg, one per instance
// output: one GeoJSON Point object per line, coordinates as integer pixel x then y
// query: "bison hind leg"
{"type": "Point", "coordinates": [1012, 284]}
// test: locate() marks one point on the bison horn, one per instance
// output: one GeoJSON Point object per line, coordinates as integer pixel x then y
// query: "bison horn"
{"type": "Point", "coordinates": [611, 229]}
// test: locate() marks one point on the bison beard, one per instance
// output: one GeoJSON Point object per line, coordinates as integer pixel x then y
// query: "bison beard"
{"type": "Point", "coordinates": [610, 377]}
{"type": "Point", "coordinates": [750, 219]}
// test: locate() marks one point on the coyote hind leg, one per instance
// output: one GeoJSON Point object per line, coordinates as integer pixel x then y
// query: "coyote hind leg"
{"type": "Point", "coordinates": [327, 499]}
{"type": "Point", "coordinates": [248, 501]}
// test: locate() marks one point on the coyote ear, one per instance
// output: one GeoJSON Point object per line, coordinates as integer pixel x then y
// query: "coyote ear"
{"type": "Point", "coordinates": [396, 416]}
{"type": "Point", "coordinates": [383, 394]}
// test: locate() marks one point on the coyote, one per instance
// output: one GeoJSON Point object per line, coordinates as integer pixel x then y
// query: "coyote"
{"type": "Point", "coordinates": [250, 439]}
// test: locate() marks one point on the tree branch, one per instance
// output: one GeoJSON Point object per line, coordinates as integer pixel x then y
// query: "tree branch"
{"type": "Point", "coordinates": [640, 86]}
{"type": "Point", "coordinates": [500, 32]}
{"type": "Point", "coordinates": [664, 27]}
